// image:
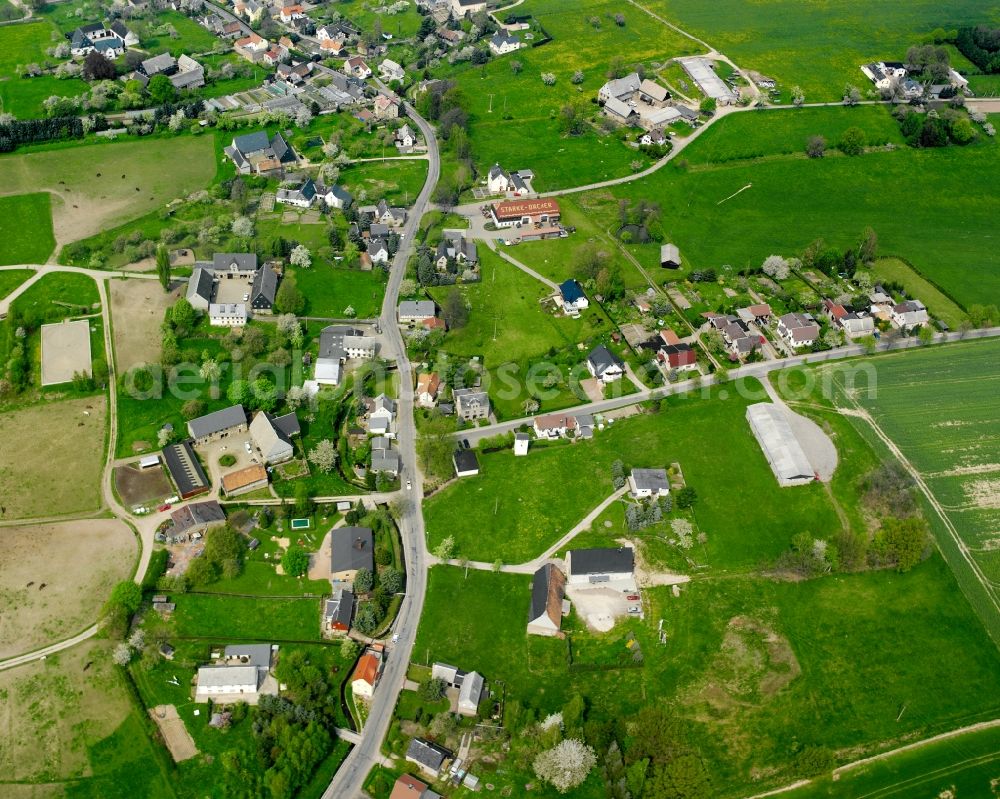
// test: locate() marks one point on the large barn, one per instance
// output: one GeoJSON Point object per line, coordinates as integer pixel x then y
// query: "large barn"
{"type": "Point", "coordinates": [509, 213]}
{"type": "Point", "coordinates": [781, 447]}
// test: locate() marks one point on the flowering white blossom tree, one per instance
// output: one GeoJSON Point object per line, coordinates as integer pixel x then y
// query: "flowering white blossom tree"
{"type": "Point", "coordinates": [301, 257]}
{"type": "Point", "coordinates": [775, 266]}
{"type": "Point", "coordinates": [566, 765]}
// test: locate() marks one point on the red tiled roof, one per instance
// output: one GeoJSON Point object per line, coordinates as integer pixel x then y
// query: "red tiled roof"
{"type": "Point", "coordinates": [507, 209]}
{"type": "Point", "coordinates": [407, 787]}
{"type": "Point", "coordinates": [366, 670]}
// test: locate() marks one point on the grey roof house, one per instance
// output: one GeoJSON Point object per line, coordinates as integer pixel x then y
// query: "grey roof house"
{"type": "Point", "coordinates": [427, 755]}
{"type": "Point", "coordinates": [351, 549]}
{"type": "Point", "coordinates": [547, 592]}
{"type": "Point", "coordinates": [218, 424]}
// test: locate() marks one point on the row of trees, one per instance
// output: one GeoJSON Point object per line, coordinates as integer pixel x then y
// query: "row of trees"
{"type": "Point", "coordinates": [934, 129]}
{"type": "Point", "coordinates": [981, 45]}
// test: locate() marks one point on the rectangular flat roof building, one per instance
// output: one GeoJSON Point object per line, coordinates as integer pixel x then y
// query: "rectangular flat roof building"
{"type": "Point", "coordinates": [782, 449]}
{"type": "Point", "coordinates": [185, 470]}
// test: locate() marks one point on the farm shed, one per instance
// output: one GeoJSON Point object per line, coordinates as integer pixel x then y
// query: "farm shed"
{"type": "Point", "coordinates": [780, 445]}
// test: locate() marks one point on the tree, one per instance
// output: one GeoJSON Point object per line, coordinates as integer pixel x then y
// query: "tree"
{"type": "Point", "coordinates": [516, 66]}
{"type": "Point", "coordinates": [126, 595]}
{"type": "Point", "coordinates": [348, 649]}
{"type": "Point", "coordinates": [163, 266]}
{"type": "Point", "coordinates": [289, 326]}
{"type": "Point", "coordinates": [289, 300]}
{"type": "Point", "coordinates": [454, 309]}
{"type": "Point", "coordinates": [238, 392]}
{"type": "Point", "coordinates": [798, 97]}
{"type": "Point", "coordinates": [686, 498]}
{"type": "Point", "coordinates": [432, 690]}
{"type": "Point", "coordinates": [391, 580]}
{"type": "Point", "coordinates": [577, 78]}
{"type": "Point", "coordinates": [620, 20]}
{"type": "Point", "coordinates": [242, 226]}
{"type": "Point", "coordinates": [852, 141]}
{"type": "Point", "coordinates": [161, 90]}
{"type": "Point", "coordinates": [901, 542]}
{"type": "Point", "coordinates": [192, 409]}
{"type": "Point", "coordinates": [852, 95]}
{"type": "Point", "coordinates": [301, 257]}
{"type": "Point", "coordinates": [295, 561]}
{"type": "Point", "coordinates": [618, 474]}
{"type": "Point", "coordinates": [367, 618]}
{"type": "Point", "coordinates": [182, 314]}
{"type": "Point", "coordinates": [868, 248]}
{"type": "Point", "coordinates": [324, 455]}
{"type": "Point", "coordinates": [707, 106]}
{"type": "Point", "coordinates": [775, 266]}
{"type": "Point", "coordinates": [97, 67]}
{"type": "Point", "coordinates": [566, 765]}
{"type": "Point", "coordinates": [816, 147]}
{"type": "Point", "coordinates": [122, 654]}
{"type": "Point", "coordinates": [446, 549]}
{"type": "Point", "coordinates": [364, 581]}
{"type": "Point", "coordinates": [549, 78]}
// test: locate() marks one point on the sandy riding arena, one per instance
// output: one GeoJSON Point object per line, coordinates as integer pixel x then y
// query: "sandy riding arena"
{"type": "Point", "coordinates": [175, 734]}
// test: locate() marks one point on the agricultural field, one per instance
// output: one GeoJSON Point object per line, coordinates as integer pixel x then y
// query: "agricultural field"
{"type": "Point", "coordinates": [938, 406]}
{"type": "Point", "coordinates": [68, 722]}
{"type": "Point", "coordinates": [749, 665]}
{"type": "Point", "coordinates": [513, 117]}
{"type": "Point", "coordinates": [57, 576]}
{"type": "Point", "coordinates": [706, 436]}
{"type": "Point", "coordinates": [966, 765]}
{"type": "Point", "coordinates": [26, 228]}
{"type": "Point", "coordinates": [832, 198]}
{"type": "Point", "coordinates": [97, 186]}
{"type": "Point", "coordinates": [33, 467]}
{"type": "Point", "coordinates": [864, 32]}
{"type": "Point", "coordinates": [137, 308]}
{"type": "Point", "coordinates": [398, 182]}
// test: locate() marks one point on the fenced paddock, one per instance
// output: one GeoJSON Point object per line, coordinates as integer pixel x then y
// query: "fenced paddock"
{"type": "Point", "coordinates": [65, 351]}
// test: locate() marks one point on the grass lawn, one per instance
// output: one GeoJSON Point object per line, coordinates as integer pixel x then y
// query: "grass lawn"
{"type": "Point", "coordinates": [23, 97]}
{"type": "Point", "coordinates": [23, 44]}
{"type": "Point", "coordinates": [964, 766]}
{"type": "Point", "coordinates": [939, 304]}
{"type": "Point", "coordinates": [779, 132]}
{"type": "Point", "coordinates": [10, 279]}
{"type": "Point", "coordinates": [26, 228]}
{"type": "Point", "coordinates": [102, 185]}
{"type": "Point", "coordinates": [794, 201]}
{"type": "Point", "coordinates": [790, 40]}
{"type": "Point", "coordinates": [398, 182]}
{"type": "Point", "coordinates": [362, 14]}
{"type": "Point", "coordinates": [223, 616]}
{"type": "Point", "coordinates": [513, 118]}
{"type": "Point", "coordinates": [77, 729]}
{"type": "Point", "coordinates": [706, 436]}
{"type": "Point", "coordinates": [191, 37]}
{"type": "Point", "coordinates": [33, 467]}
{"type": "Point", "coordinates": [330, 290]}
{"type": "Point", "coordinates": [50, 291]}
{"type": "Point", "coordinates": [750, 665]}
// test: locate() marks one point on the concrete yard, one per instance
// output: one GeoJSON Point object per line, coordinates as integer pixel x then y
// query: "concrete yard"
{"type": "Point", "coordinates": [65, 351]}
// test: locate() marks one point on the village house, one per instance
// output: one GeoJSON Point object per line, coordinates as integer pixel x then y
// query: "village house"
{"type": "Point", "coordinates": [455, 248]}
{"type": "Point", "coordinates": [272, 436]}
{"type": "Point", "coordinates": [619, 88]}
{"type": "Point", "coordinates": [337, 345]}
{"type": "Point", "coordinates": [515, 213]}
{"type": "Point", "coordinates": [909, 314]}
{"type": "Point", "coordinates": [678, 357]}
{"type": "Point", "coordinates": [654, 137]}
{"type": "Point", "coordinates": [428, 386]}
{"type": "Point", "coordinates": [289, 13]}
{"type": "Point", "coordinates": [385, 107]}
{"type": "Point", "coordinates": [621, 111]}
{"type": "Point", "coordinates": [196, 517]}
{"type": "Point", "coordinates": [250, 10]}
{"type": "Point", "coordinates": [378, 251]}
{"type": "Point", "coordinates": [648, 483]}
{"type": "Point", "coordinates": [415, 311]}
{"type": "Point", "coordinates": [351, 549]}
{"type": "Point", "coordinates": [389, 71]}
{"type": "Point", "coordinates": [338, 611]}
{"type": "Point", "coordinates": [393, 216]}
{"type": "Point", "coordinates": [367, 673]}
{"type": "Point", "coordinates": [227, 314]}
{"type": "Point", "coordinates": [256, 153]}
{"type": "Point", "coordinates": [503, 42]}
{"type": "Point", "coordinates": [600, 565]}
{"type": "Point", "coordinates": [337, 197]}
{"type": "Point", "coordinates": [332, 46]}
{"type": "Point", "coordinates": [500, 181]}
{"type": "Point", "coordinates": [554, 425]}
{"type": "Point", "coordinates": [471, 404]}
{"type": "Point", "coordinates": [385, 460]}
{"type": "Point", "coordinates": [571, 297]}
{"type": "Point", "coordinates": [409, 787]}
{"type": "Point", "coordinates": [201, 288]}
{"type": "Point", "coordinates": [243, 481]}
{"type": "Point", "coordinates": [884, 74]}
{"type": "Point", "coordinates": [758, 314]}
{"type": "Point", "coordinates": [466, 463]}
{"type": "Point", "coordinates": [427, 756]}
{"type": "Point", "coordinates": [382, 418]}
{"type": "Point", "coordinates": [547, 596]}
{"type": "Point", "coordinates": [251, 47]}
{"type": "Point", "coordinates": [462, 8]}
{"type": "Point", "coordinates": [110, 40]}
{"type": "Point", "coordinates": [301, 197]}
{"type": "Point", "coordinates": [405, 137]}
{"type": "Point", "coordinates": [798, 330]}
{"type": "Point", "coordinates": [217, 425]}
{"type": "Point", "coordinates": [228, 683]}
{"type": "Point", "coordinates": [189, 74]}
{"type": "Point", "coordinates": [357, 68]}
{"type": "Point", "coordinates": [605, 365]}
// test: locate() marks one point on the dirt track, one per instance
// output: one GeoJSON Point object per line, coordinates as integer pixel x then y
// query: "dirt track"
{"type": "Point", "coordinates": [175, 734]}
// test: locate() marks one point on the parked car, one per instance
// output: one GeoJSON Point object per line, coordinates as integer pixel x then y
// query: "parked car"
{"type": "Point", "coordinates": [163, 507]}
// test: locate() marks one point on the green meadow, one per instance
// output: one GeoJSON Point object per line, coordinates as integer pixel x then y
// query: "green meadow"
{"type": "Point", "coordinates": [819, 44]}
{"type": "Point", "coordinates": [788, 200]}
{"type": "Point", "coordinates": [26, 228]}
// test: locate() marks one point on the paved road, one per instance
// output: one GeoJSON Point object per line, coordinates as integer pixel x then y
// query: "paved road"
{"type": "Point", "coordinates": [347, 782]}
{"type": "Point", "coordinates": [759, 370]}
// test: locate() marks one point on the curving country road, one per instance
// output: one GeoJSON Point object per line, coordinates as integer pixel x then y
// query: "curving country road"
{"type": "Point", "coordinates": [350, 777]}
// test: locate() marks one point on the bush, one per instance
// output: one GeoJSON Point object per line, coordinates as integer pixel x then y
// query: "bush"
{"type": "Point", "coordinates": [853, 141]}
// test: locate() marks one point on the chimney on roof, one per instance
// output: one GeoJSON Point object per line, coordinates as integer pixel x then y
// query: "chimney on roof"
{"type": "Point", "coordinates": [359, 544]}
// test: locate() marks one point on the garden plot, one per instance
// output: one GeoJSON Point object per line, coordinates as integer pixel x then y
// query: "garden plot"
{"type": "Point", "coordinates": [65, 351]}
